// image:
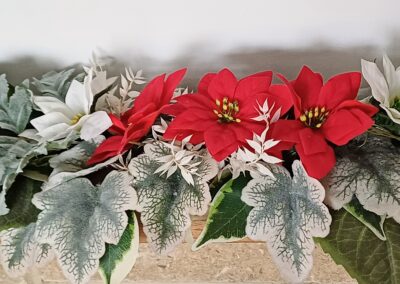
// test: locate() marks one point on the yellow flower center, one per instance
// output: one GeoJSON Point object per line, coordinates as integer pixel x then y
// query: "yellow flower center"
{"type": "Point", "coordinates": [226, 110]}
{"type": "Point", "coordinates": [75, 119]}
{"type": "Point", "coordinates": [314, 117]}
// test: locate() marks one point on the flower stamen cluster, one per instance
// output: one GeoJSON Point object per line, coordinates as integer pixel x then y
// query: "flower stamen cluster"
{"type": "Point", "coordinates": [314, 117]}
{"type": "Point", "coordinates": [227, 111]}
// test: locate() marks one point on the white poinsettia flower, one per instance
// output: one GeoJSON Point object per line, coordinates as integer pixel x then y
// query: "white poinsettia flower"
{"type": "Point", "coordinates": [385, 87]}
{"type": "Point", "coordinates": [60, 119]}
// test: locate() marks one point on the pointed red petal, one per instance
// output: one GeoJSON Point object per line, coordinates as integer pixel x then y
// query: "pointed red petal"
{"type": "Point", "coordinates": [107, 149]}
{"type": "Point", "coordinates": [317, 165]}
{"type": "Point", "coordinates": [223, 85]}
{"type": "Point", "coordinates": [340, 88]}
{"type": "Point", "coordinates": [346, 124]}
{"type": "Point", "coordinates": [202, 88]}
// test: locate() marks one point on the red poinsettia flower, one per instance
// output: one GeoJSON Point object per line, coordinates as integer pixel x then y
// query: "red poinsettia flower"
{"type": "Point", "coordinates": [323, 113]}
{"type": "Point", "coordinates": [136, 122]}
{"type": "Point", "coordinates": [222, 113]}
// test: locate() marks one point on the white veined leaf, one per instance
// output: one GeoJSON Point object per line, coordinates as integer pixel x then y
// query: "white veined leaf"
{"type": "Point", "coordinates": [288, 212]}
{"type": "Point", "coordinates": [166, 203]}
{"type": "Point", "coordinates": [77, 219]}
{"type": "Point", "coordinates": [20, 250]}
{"type": "Point", "coordinates": [370, 172]}
{"type": "Point", "coordinates": [60, 178]}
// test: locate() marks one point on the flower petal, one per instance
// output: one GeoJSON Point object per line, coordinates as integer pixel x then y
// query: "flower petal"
{"type": "Point", "coordinates": [152, 93]}
{"type": "Point", "coordinates": [286, 130]}
{"type": "Point", "coordinates": [220, 141]}
{"type": "Point", "coordinates": [308, 85]}
{"type": "Point", "coordinates": [95, 124]}
{"type": "Point", "coordinates": [346, 124]}
{"type": "Point", "coordinates": [377, 82]}
{"type": "Point", "coordinates": [252, 85]}
{"type": "Point", "coordinates": [107, 149]}
{"type": "Point", "coordinates": [48, 120]}
{"type": "Point", "coordinates": [171, 84]}
{"type": "Point", "coordinates": [392, 76]}
{"type": "Point", "coordinates": [340, 88]}
{"type": "Point", "coordinates": [76, 98]}
{"type": "Point", "coordinates": [222, 85]}
{"type": "Point", "coordinates": [317, 165]}
{"type": "Point", "coordinates": [281, 96]}
{"type": "Point", "coordinates": [51, 104]}
{"type": "Point", "coordinates": [312, 141]}
{"type": "Point", "coordinates": [202, 88]}
{"type": "Point", "coordinates": [394, 114]}
{"type": "Point", "coordinates": [55, 131]}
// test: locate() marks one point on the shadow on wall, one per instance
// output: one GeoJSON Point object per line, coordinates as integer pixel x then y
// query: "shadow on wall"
{"type": "Point", "coordinates": [325, 59]}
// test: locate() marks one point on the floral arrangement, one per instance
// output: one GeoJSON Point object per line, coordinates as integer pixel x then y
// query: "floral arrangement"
{"type": "Point", "coordinates": [84, 156]}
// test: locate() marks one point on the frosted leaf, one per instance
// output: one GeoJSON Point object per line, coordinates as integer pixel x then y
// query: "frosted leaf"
{"type": "Point", "coordinates": [165, 202]}
{"type": "Point", "coordinates": [75, 158]}
{"type": "Point", "coordinates": [77, 219]}
{"type": "Point", "coordinates": [15, 154]}
{"type": "Point", "coordinates": [56, 84]}
{"type": "Point", "coordinates": [287, 214]}
{"type": "Point", "coordinates": [15, 110]}
{"type": "Point", "coordinates": [371, 172]}
{"type": "Point", "coordinates": [20, 250]}
{"type": "Point", "coordinates": [73, 163]}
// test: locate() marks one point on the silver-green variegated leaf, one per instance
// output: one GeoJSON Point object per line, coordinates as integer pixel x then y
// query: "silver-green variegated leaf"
{"type": "Point", "coordinates": [75, 159]}
{"type": "Point", "coordinates": [15, 110]}
{"type": "Point", "coordinates": [56, 84]}
{"type": "Point", "coordinates": [288, 212]}
{"type": "Point", "coordinates": [73, 163]}
{"type": "Point", "coordinates": [77, 219]}
{"type": "Point", "coordinates": [368, 169]}
{"type": "Point", "coordinates": [15, 154]}
{"type": "Point", "coordinates": [166, 203]}
{"type": "Point", "coordinates": [20, 250]}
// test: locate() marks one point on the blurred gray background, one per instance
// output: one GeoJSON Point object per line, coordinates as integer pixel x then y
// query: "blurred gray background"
{"type": "Point", "coordinates": [160, 36]}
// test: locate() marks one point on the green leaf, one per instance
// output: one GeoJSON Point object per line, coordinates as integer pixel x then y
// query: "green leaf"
{"type": "Point", "coordinates": [368, 169]}
{"type": "Point", "coordinates": [226, 221]}
{"type": "Point", "coordinates": [288, 212]}
{"type": "Point", "coordinates": [119, 259]}
{"type": "Point", "coordinates": [77, 219]}
{"type": "Point", "coordinates": [22, 211]}
{"type": "Point", "coordinates": [383, 120]}
{"type": "Point", "coordinates": [364, 256]}
{"type": "Point", "coordinates": [15, 111]}
{"type": "Point", "coordinates": [371, 220]}
{"type": "Point", "coordinates": [55, 84]}
{"type": "Point", "coordinates": [166, 203]}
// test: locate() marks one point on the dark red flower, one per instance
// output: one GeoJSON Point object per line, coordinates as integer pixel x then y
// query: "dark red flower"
{"type": "Point", "coordinates": [323, 112]}
{"type": "Point", "coordinates": [222, 113]}
{"type": "Point", "coordinates": [136, 122]}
